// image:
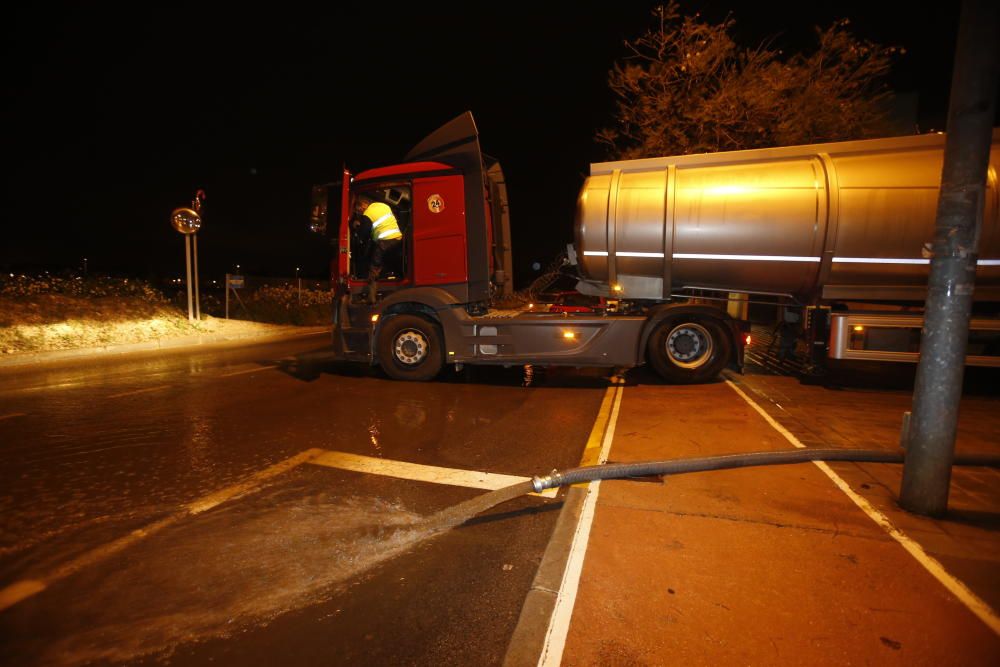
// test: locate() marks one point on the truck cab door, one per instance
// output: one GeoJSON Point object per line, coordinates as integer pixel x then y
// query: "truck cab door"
{"type": "Point", "coordinates": [344, 232]}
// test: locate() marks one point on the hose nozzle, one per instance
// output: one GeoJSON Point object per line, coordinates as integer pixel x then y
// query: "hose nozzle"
{"type": "Point", "coordinates": [551, 480]}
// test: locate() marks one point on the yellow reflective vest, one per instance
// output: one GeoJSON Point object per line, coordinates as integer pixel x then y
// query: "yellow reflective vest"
{"type": "Point", "coordinates": [384, 226]}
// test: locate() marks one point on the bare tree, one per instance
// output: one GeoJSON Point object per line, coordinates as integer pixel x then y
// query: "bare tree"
{"type": "Point", "coordinates": [687, 87]}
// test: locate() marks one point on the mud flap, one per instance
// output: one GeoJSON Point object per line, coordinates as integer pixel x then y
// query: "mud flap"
{"type": "Point", "coordinates": [740, 330]}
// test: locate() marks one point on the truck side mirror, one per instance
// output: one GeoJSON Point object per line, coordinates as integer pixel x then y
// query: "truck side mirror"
{"type": "Point", "coordinates": [317, 218]}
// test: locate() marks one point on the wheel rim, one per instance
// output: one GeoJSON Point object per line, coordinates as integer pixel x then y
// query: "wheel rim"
{"type": "Point", "coordinates": [410, 347]}
{"type": "Point", "coordinates": [689, 345]}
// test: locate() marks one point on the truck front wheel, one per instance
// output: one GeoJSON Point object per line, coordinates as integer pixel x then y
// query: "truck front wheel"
{"type": "Point", "coordinates": [688, 350]}
{"type": "Point", "coordinates": [410, 348]}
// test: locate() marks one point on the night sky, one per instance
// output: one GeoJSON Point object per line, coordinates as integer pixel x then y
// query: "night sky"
{"type": "Point", "coordinates": [113, 117]}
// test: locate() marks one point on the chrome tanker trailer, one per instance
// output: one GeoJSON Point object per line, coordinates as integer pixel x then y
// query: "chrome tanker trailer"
{"type": "Point", "coordinates": [841, 228]}
{"type": "Point", "coordinates": [677, 246]}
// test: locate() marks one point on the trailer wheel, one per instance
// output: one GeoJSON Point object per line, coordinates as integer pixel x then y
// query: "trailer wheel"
{"type": "Point", "coordinates": [410, 348]}
{"type": "Point", "coordinates": [688, 350]}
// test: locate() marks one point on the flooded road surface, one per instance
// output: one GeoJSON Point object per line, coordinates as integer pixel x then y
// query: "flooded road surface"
{"type": "Point", "coordinates": [170, 506]}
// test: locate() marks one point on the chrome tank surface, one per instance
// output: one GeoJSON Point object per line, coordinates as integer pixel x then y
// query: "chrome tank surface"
{"type": "Point", "coordinates": [845, 220]}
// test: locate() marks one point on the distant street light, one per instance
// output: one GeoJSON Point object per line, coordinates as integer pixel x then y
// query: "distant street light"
{"type": "Point", "coordinates": [84, 267]}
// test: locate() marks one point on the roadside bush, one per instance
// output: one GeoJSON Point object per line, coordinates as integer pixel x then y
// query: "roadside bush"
{"type": "Point", "coordinates": [48, 299]}
{"type": "Point", "coordinates": [283, 304]}
{"type": "Point", "coordinates": [19, 285]}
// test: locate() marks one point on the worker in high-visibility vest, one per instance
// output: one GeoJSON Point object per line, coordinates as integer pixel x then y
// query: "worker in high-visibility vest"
{"type": "Point", "coordinates": [378, 220]}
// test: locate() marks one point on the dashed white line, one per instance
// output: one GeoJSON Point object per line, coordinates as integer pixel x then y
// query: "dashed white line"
{"type": "Point", "coordinates": [249, 370]}
{"type": "Point", "coordinates": [139, 391]}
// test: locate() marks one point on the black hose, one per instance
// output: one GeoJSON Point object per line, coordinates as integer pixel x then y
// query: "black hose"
{"type": "Point", "coordinates": [726, 461]}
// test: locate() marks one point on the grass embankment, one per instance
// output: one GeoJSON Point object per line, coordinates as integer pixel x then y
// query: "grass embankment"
{"type": "Point", "coordinates": [46, 313]}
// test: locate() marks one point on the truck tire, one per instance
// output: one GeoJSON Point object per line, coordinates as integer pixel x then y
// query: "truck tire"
{"type": "Point", "coordinates": [410, 348]}
{"type": "Point", "coordinates": [689, 349]}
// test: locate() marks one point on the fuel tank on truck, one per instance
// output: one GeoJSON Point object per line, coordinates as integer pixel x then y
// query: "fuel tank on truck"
{"type": "Point", "coordinates": [848, 220]}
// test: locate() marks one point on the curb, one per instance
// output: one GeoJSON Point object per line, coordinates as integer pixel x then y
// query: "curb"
{"type": "Point", "coordinates": [530, 634]}
{"type": "Point", "coordinates": [197, 340]}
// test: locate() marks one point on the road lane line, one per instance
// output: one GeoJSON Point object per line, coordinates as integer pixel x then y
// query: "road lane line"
{"type": "Point", "coordinates": [562, 613]}
{"type": "Point", "coordinates": [472, 479]}
{"type": "Point", "coordinates": [139, 391]}
{"type": "Point", "coordinates": [592, 452]}
{"type": "Point", "coordinates": [13, 414]}
{"type": "Point", "coordinates": [20, 590]}
{"type": "Point", "coordinates": [973, 602]}
{"type": "Point", "coordinates": [251, 370]}
{"type": "Point", "coordinates": [251, 483]}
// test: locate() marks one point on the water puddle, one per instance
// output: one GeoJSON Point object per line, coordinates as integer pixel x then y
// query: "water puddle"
{"type": "Point", "coordinates": [227, 571]}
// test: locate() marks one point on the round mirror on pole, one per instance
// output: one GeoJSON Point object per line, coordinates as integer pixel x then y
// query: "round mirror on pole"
{"type": "Point", "coordinates": [185, 220]}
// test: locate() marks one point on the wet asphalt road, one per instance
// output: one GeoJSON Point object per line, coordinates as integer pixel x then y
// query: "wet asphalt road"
{"type": "Point", "coordinates": [312, 565]}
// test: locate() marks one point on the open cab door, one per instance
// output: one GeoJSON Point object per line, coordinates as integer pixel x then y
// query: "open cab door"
{"type": "Point", "coordinates": [336, 229]}
{"type": "Point", "coordinates": [342, 269]}
{"type": "Point", "coordinates": [331, 218]}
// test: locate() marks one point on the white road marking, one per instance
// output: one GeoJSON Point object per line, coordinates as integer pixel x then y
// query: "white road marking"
{"type": "Point", "coordinates": [139, 391]}
{"type": "Point", "coordinates": [973, 602]}
{"type": "Point", "coordinates": [250, 370]}
{"type": "Point", "coordinates": [20, 590]}
{"type": "Point", "coordinates": [422, 473]}
{"type": "Point", "coordinates": [562, 613]}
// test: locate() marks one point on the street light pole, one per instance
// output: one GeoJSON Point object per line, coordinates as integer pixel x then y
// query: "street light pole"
{"type": "Point", "coordinates": [930, 447]}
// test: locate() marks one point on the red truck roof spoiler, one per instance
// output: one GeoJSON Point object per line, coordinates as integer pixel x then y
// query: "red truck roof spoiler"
{"type": "Point", "coordinates": [456, 143]}
{"type": "Point", "coordinates": [453, 139]}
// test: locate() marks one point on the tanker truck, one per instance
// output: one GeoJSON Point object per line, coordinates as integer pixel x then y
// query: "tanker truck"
{"type": "Point", "coordinates": [676, 246]}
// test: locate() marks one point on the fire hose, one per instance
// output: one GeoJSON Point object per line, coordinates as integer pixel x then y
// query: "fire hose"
{"type": "Point", "coordinates": [729, 461]}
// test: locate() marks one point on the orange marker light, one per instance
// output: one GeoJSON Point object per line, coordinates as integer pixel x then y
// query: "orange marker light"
{"type": "Point", "coordinates": [748, 339]}
{"type": "Point", "coordinates": [859, 328]}
{"type": "Point", "coordinates": [569, 335]}
{"type": "Point", "coordinates": [374, 318]}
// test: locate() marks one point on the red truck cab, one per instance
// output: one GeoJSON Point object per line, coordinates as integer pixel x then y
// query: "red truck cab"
{"type": "Point", "coordinates": [436, 293]}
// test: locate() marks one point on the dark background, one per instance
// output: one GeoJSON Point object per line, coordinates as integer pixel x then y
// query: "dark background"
{"type": "Point", "coordinates": [113, 116]}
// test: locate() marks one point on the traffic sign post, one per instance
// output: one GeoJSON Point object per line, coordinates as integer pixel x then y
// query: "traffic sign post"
{"type": "Point", "coordinates": [233, 283]}
{"type": "Point", "coordinates": [187, 221]}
